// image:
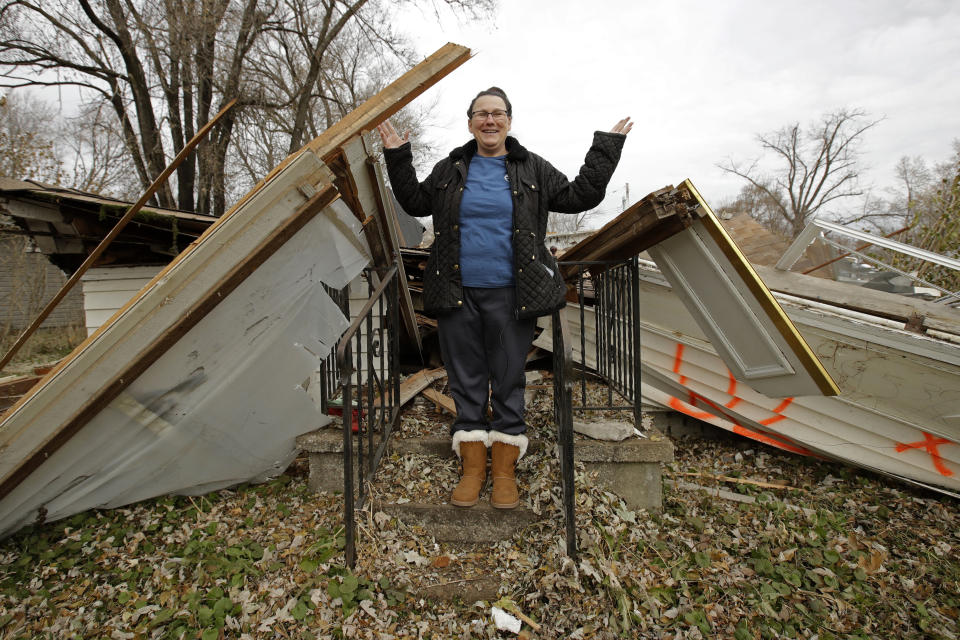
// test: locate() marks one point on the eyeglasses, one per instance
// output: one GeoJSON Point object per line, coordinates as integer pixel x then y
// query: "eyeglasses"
{"type": "Point", "coordinates": [499, 115]}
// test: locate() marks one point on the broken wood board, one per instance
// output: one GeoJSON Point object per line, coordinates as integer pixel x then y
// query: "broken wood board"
{"type": "Point", "coordinates": [723, 478]}
{"type": "Point", "coordinates": [360, 176]}
{"type": "Point", "coordinates": [386, 103]}
{"type": "Point", "coordinates": [442, 402]}
{"type": "Point", "coordinates": [652, 219]}
{"type": "Point", "coordinates": [419, 381]}
{"type": "Point", "coordinates": [414, 384]}
{"type": "Point", "coordinates": [732, 495]}
{"type": "Point", "coordinates": [877, 303]}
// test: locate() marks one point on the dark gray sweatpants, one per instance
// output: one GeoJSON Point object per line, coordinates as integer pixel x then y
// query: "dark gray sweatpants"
{"type": "Point", "coordinates": [485, 348]}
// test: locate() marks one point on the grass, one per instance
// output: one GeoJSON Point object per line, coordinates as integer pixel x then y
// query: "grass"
{"type": "Point", "coordinates": [46, 346]}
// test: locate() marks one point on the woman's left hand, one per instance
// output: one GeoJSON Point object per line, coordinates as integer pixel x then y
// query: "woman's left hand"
{"type": "Point", "coordinates": [623, 126]}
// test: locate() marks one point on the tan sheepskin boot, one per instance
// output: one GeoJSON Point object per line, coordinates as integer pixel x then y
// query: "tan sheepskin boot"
{"type": "Point", "coordinates": [471, 448]}
{"type": "Point", "coordinates": [505, 450]}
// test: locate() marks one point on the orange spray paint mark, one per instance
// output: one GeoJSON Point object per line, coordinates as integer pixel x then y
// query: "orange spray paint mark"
{"type": "Point", "coordinates": [732, 391]}
{"type": "Point", "coordinates": [931, 444]}
{"type": "Point", "coordinates": [783, 405]}
{"type": "Point", "coordinates": [732, 387]}
{"type": "Point", "coordinates": [677, 361]}
{"type": "Point", "coordinates": [689, 408]}
{"type": "Point", "coordinates": [761, 437]}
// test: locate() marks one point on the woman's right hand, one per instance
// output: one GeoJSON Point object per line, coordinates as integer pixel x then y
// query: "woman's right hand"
{"type": "Point", "coordinates": [389, 136]}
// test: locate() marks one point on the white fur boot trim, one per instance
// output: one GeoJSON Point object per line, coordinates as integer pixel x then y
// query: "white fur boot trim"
{"type": "Point", "coordinates": [520, 441]}
{"type": "Point", "coordinates": [477, 435]}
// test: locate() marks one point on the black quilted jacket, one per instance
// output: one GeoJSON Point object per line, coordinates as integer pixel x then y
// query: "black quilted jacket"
{"type": "Point", "coordinates": [537, 188]}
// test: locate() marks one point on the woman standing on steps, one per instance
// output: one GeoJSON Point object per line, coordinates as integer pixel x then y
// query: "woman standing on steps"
{"type": "Point", "coordinates": [489, 275]}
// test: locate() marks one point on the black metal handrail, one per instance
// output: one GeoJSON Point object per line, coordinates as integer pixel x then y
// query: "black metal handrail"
{"type": "Point", "coordinates": [376, 411]}
{"type": "Point", "coordinates": [616, 293]}
{"type": "Point", "coordinates": [616, 301]}
{"type": "Point", "coordinates": [562, 409]}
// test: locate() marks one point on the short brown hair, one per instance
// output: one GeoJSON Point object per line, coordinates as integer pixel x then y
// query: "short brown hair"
{"type": "Point", "coordinates": [492, 91]}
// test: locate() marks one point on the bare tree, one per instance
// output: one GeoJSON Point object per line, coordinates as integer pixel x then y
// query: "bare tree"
{"type": "Point", "coordinates": [814, 166]}
{"type": "Point", "coordinates": [94, 154]}
{"type": "Point", "coordinates": [572, 223]}
{"type": "Point", "coordinates": [27, 139]}
{"type": "Point", "coordinates": [934, 214]}
{"type": "Point", "coordinates": [165, 67]}
{"type": "Point", "coordinates": [758, 204]}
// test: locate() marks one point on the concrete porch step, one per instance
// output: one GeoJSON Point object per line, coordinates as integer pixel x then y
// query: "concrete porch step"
{"type": "Point", "coordinates": [447, 523]}
{"type": "Point", "coordinates": [630, 468]}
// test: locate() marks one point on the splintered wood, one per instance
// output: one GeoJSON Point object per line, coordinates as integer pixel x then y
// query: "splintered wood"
{"type": "Point", "coordinates": [441, 401]}
{"type": "Point", "coordinates": [656, 217]}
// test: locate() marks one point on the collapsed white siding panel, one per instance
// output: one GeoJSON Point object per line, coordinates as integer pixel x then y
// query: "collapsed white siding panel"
{"type": "Point", "coordinates": [899, 394]}
{"type": "Point", "coordinates": [221, 405]}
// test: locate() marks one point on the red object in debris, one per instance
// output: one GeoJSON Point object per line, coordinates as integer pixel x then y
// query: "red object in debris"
{"type": "Point", "coordinates": [338, 411]}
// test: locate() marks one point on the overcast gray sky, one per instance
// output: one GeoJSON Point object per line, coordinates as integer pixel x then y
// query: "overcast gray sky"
{"type": "Point", "coordinates": [702, 78]}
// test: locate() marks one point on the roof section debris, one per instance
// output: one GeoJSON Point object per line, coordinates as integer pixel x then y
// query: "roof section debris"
{"type": "Point", "coordinates": [199, 381]}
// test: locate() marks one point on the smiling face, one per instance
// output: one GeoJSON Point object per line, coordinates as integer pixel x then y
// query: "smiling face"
{"type": "Point", "coordinates": [490, 133]}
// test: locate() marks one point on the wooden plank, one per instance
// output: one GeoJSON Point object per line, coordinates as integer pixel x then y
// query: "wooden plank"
{"type": "Point", "coordinates": [878, 303]}
{"type": "Point", "coordinates": [389, 101]}
{"type": "Point", "coordinates": [652, 219]}
{"type": "Point", "coordinates": [390, 223]}
{"type": "Point", "coordinates": [360, 181]}
{"type": "Point", "coordinates": [442, 402]}
{"type": "Point", "coordinates": [419, 381]}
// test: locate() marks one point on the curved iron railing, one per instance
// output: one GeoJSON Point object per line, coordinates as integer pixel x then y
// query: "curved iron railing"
{"type": "Point", "coordinates": [372, 416]}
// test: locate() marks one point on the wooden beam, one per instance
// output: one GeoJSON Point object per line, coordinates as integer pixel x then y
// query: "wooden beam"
{"type": "Point", "coordinates": [653, 219]}
{"type": "Point", "coordinates": [878, 303]}
{"type": "Point", "coordinates": [442, 402]}
{"type": "Point", "coordinates": [390, 223]}
{"type": "Point", "coordinates": [380, 107]}
{"type": "Point", "coordinates": [419, 381]}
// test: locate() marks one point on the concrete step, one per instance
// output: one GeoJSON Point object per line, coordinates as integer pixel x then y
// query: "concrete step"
{"type": "Point", "coordinates": [458, 571]}
{"type": "Point", "coordinates": [630, 468]}
{"type": "Point", "coordinates": [447, 523]}
{"type": "Point", "coordinates": [465, 539]}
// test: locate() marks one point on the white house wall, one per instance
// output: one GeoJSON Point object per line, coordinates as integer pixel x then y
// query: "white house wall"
{"type": "Point", "coordinates": [107, 289]}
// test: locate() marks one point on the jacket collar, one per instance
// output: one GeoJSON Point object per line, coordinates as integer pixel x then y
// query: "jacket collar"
{"type": "Point", "coordinates": [515, 151]}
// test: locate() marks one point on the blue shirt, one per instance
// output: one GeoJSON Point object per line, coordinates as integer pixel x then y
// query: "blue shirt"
{"type": "Point", "coordinates": [486, 221]}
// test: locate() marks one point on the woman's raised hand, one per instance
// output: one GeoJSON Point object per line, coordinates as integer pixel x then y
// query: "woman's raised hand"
{"type": "Point", "coordinates": [389, 136]}
{"type": "Point", "coordinates": [623, 126]}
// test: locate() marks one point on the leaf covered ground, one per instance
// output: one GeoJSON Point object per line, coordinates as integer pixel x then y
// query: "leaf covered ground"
{"type": "Point", "coordinates": [838, 553]}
